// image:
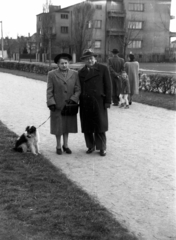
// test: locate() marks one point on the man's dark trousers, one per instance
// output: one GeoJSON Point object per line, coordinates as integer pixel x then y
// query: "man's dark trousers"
{"type": "Point", "coordinates": [115, 90]}
{"type": "Point", "coordinates": [97, 140]}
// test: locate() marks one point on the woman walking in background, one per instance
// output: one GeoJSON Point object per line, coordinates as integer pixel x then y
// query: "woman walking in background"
{"type": "Point", "coordinates": [132, 69]}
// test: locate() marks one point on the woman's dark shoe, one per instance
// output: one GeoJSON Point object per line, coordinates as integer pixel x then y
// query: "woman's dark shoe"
{"type": "Point", "coordinates": [130, 102]}
{"type": "Point", "coordinates": [102, 153]}
{"type": "Point", "coordinates": [90, 150]}
{"type": "Point", "coordinates": [58, 151]}
{"type": "Point", "coordinates": [67, 150]}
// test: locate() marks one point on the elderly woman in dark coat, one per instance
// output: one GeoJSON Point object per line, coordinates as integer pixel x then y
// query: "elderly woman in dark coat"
{"type": "Point", "coordinates": [62, 85]}
{"type": "Point", "coordinates": [94, 100]}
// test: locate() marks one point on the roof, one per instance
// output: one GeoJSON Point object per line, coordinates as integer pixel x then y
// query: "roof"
{"type": "Point", "coordinates": [60, 10]}
{"type": "Point", "coordinates": [66, 9]}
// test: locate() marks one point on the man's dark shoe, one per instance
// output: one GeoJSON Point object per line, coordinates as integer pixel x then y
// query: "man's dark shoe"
{"type": "Point", "coordinates": [90, 150]}
{"type": "Point", "coordinates": [102, 153]}
{"type": "Point", "coordinates": [115, 104]}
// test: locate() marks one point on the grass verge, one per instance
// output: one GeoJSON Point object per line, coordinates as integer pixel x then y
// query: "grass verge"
{"type": "Point", "coordinates": [153, 99]}
{"type": "Point", "coordinates": [156, 99]}
{"type": "Point", "coordinates": [38, 202]}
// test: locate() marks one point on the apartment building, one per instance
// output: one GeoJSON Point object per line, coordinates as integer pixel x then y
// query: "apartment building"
{"type": "Point", "coordinates": [140, 26]}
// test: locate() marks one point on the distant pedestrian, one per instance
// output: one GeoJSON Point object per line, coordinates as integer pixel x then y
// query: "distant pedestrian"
{"type": "Point", "coordinates": [62, 87]}
{"type": "Point", "coordinates": [95, 98]}
{"type": "Point", "coordinates": [125, 91]}
{"type": "Point", "coordinates": [116, 66]}
{"type": "Point", "coordinates": [132, 69]}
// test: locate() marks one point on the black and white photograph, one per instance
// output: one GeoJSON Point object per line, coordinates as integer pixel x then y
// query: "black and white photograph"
{"type": "Point", "coordinates": [88, 120]}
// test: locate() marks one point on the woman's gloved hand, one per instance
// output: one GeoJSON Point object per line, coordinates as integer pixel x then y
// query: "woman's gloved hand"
{"type": "Point", "coordinates": [52, 108]}
{"type": "Point", "coordinates": [70, 101]}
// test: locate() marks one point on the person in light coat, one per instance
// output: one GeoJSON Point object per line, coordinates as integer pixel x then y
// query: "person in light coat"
{"type": "Point", "coordinates": [132, 69]}
{"type": "Point", "coordinates": [62, 85]}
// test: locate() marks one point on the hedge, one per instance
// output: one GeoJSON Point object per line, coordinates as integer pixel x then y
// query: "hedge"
{"type": "Point", "coordinates": [27, 67]}
{"type": "Point", "coordinates": [165, 84]}
{"type": "Point", "coordinates": [152, 82]}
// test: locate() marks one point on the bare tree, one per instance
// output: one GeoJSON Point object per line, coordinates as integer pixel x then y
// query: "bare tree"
{"type": "Point", "coordinates": [12, 45]}
{"type": "Point", "coordinates": [21, 44]}
{"type": "Point", "coordinates": [82, 28]}
{"type": "Point", "coordinates": [163, 23]}
{"type": "Point", "coordinates": [132, 30]}
{"type": "Point", "coordinates": [47, 35]}
{"type": "Point", "coordinates": [64, 44]}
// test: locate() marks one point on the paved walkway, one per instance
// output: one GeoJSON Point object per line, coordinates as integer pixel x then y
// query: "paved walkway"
{"type": "Point", "coordinates": [136, 181]}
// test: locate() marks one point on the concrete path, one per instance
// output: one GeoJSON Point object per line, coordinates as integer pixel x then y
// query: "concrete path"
{"type": "Point", "coordinates": [136, 181]}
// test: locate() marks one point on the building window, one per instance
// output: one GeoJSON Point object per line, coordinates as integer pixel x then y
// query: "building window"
{"type": "Point", "coordinates": [89, 44]}
{"type": "Point", "coordinates": [39, 31]}
{"type": "Point", "coordinates": [99, 7]}
{"type": "Point", "coordinates": [135, 44]}
{"type": "Point", "coordinates": [135, 25]}
{"type": "Point", "coordinates": [40, 18]}
{"type": "Point", "coordinates": [98, 23]}
{"type": "Point", "coordinates": [89, 24]}
{"type": "Point", "coordinates": [52, 30]}
{"type": "Point", "coordinates": [64, 29]}
{"type": "Point", "coordinates": [97, 43]}
{"type": "Point", "coordinates": [138, 7]}
{"type": "Point", "coordinates": [64, 16]}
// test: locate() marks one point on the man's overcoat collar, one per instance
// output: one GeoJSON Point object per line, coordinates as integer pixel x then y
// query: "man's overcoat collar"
{"type": "Point", "coordinates": [88, 74]}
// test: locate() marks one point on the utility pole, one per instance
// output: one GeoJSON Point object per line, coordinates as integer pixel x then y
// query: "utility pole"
{"type": "Point", "coordinates": [2, 43]}
{"type": "Point", "coordinates": [50, 50]}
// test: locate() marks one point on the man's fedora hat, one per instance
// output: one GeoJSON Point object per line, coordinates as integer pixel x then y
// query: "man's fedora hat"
{"type": "Point", "coordinates": [88, 53]}
{"type": "Point", "coordinates": [62, 55]}
{"type": "Point", "coordinates": [115, 51]}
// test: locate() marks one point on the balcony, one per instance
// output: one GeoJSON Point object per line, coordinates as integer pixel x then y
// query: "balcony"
{"type": "Point", "coordinates": [116, 32]}
{"type": "Point", "coordinates": [172, 34]}
{"type": "Point", "coordinates": [172, 17]}
{"type": "Point", "coordinates": [116, 13]}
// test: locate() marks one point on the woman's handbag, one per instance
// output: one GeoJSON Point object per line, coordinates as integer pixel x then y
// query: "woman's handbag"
{"type": "Point", "coordinates": [70, 109]}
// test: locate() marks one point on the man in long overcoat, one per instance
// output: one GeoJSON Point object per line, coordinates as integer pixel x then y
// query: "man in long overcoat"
{"type": "Point", "coordinates": [116, 66]}
{"type": "Point", "coordinates": [95, 98]}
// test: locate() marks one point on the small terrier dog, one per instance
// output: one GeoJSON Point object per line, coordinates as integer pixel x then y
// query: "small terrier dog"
{"type": "Point", "coordinates": [28, 141]}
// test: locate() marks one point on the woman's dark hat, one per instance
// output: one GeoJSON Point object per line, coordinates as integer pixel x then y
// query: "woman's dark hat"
{"type": "Point", "coordinates": [62, 55]}
{"type": "Point", "coordinates": [115, 51]}
{"type": "Point", "coordinates": [88, 53]}
{"type": "Point", "coordinates": [131, 56]}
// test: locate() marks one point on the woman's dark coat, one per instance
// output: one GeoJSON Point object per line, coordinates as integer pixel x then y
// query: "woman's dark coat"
{"type": "Point", "coordinates": [95, 92]}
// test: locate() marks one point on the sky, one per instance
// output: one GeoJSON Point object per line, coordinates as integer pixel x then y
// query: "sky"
{"type": "Point", "coordinates": [19, 16]}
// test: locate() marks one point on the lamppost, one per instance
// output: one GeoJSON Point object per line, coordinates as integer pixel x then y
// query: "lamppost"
{"type": "Point", "coordinates": [2, 44]}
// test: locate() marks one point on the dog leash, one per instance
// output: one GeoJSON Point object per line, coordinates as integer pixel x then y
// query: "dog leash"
{"type": "Point", "coordinates": [44, 122]}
